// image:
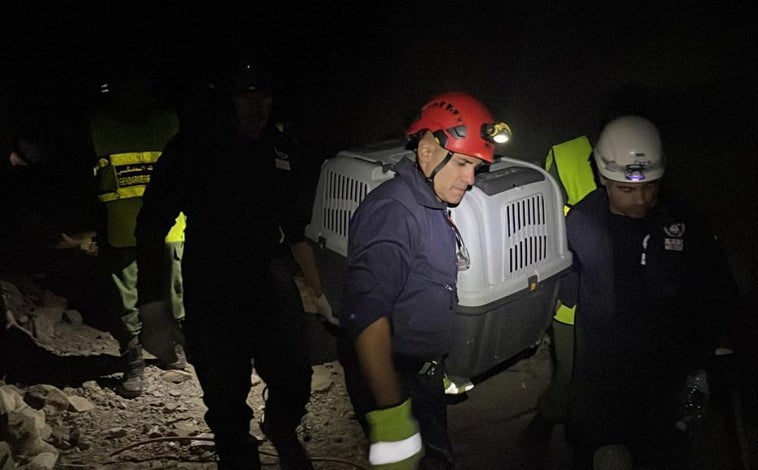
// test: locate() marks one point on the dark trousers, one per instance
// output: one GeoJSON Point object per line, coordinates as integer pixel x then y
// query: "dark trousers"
{"type": "Point", "coordinates": [233, 319]}
{"type": "Point", "coordinates": [427, 393]}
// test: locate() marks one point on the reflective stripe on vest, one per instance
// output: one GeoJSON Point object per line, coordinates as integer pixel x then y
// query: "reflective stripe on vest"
{"type": "Point", "coordinates": [129, 174]}
{"type": "Point", "coordinates": [565, 314]}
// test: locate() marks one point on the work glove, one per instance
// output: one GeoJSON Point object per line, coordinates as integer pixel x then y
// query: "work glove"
{"type": "Point", "coordinates": [324, 309]}
{"type": "Point", "coordinates": [395, 440]}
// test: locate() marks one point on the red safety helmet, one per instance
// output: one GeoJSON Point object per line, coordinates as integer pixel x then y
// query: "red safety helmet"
{"type": "Point", "coordinates": [461, 124]}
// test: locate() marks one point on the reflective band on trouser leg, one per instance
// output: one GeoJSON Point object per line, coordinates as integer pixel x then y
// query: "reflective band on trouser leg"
{"type": "Point", "coordinates": [382, 453]}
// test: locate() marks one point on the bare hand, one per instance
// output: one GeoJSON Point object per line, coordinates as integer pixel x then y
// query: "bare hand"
{"type": "Point", "coordinates": [82, 241]}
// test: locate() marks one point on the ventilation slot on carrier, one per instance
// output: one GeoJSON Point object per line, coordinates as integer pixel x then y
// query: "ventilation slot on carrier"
{"type": "Point", "coordinates": [341, 198]}
{"type": "Point", "coordinates": [525, 232]}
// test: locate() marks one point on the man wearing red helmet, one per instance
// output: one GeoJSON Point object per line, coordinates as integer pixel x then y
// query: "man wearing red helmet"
{"type": "Point", "coordinates": [400, 292]}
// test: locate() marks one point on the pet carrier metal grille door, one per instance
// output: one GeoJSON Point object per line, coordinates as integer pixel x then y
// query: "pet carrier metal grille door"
{"type": "Point", "coordinates": [342, 194]}
{"type": "Point", "coordinates": [525, 232]}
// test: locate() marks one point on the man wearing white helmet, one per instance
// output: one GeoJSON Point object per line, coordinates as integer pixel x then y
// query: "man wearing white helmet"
{"type": "Point", "coordinates": [653, 302]}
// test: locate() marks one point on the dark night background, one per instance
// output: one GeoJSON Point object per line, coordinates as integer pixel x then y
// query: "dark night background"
{"type": "Point", "coordinates": [356, 72]}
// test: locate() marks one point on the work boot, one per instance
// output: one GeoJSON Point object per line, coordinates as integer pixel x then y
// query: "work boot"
{"type": "Point", "coordinates": [181, 359]}
{"type": "Point", "coordinates": [132, 382]}
{"type": "Point", "coordinates": [292, 455]}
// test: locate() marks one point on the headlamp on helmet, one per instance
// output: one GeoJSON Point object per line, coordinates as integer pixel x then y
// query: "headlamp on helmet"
{"type": "Point", "coordinates": [498, 133]}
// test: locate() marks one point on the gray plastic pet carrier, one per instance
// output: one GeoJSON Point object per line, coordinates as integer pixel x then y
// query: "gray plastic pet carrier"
{"type": "Point", "coordinates": [513, 226]}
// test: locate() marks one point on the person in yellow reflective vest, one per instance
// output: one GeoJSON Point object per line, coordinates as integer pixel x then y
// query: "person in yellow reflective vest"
{"type": "Point", "coordinates": [128, 135]}
{"type": "Point", "coordinates": [569, 163]}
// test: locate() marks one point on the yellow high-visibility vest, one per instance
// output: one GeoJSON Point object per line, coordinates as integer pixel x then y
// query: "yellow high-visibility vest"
{"type": "Point", "coordinates": [569, 163]}
{"type": "Point", "coordinates": [176, 234]}
{"type": "Point", "coordinates": [127, 152]}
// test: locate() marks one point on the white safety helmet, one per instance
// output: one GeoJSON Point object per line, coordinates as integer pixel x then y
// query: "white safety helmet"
{"type": "Point", "coordinates": [629, 150]}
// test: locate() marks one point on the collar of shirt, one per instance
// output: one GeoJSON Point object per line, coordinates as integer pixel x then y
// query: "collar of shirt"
{"type": "Point", "coordinates": [423, 193]}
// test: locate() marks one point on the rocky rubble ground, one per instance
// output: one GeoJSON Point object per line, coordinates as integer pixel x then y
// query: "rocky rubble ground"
{"type": "Point", "coordinates": [75, 420]}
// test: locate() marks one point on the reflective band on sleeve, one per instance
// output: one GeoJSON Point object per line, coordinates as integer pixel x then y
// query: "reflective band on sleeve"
{"type": "Point", "coordinates": [382, 453]}
{"type": "Point", "coordinates": [122, 193]}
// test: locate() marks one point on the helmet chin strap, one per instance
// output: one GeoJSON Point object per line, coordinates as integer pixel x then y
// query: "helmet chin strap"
{"type": "Point", "coordinates": [430, 179]}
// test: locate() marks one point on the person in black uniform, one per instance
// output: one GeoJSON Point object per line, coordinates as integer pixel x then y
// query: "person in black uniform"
{"type": "Point", "coordinates": [656, 302]}
{"type": "Point", "coordinates": [236, 181]}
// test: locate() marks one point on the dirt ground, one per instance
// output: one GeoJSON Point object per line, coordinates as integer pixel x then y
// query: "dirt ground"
{"type": "Point", "coordinates": [164, 428]}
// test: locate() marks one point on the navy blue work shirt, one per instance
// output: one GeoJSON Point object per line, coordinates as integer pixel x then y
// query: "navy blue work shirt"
{"type": "Point", "coordinates": [401, 265]}
{"type": "Point", "coordinates": [240, 195]}
{"type": "Point", "coordinates": [654, 295]}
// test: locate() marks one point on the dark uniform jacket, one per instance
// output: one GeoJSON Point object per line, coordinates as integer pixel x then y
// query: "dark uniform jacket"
{"type": "Point", "coordinates": [654, 296]}
{"type": "Point", "coordinates": [401, 264]}
{"type": "Point", "coordinates": [239, 197]}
